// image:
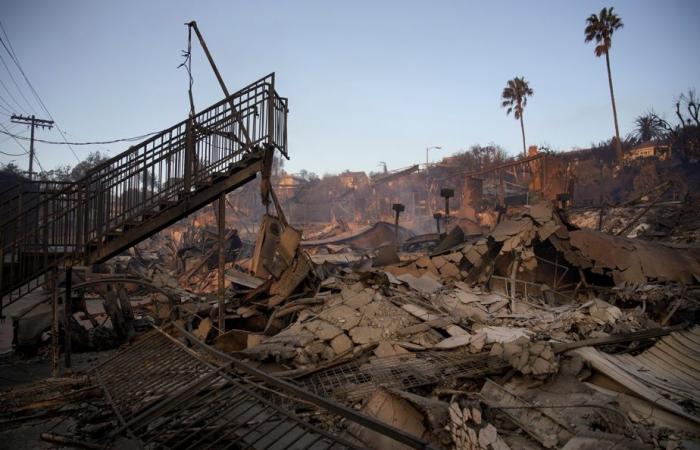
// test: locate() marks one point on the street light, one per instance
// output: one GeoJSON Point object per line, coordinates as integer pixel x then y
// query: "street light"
{"type": "Point", "coordinates": [427, 180]}
{"type": "Point", "coordinates": [427, 149]}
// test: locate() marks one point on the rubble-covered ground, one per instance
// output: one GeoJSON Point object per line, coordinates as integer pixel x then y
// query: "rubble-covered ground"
{"type": "Point", "coordinates": [542, 333]}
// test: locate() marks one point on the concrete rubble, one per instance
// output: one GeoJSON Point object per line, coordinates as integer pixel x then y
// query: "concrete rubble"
{"type": "Point", "coordinates": [536, 334]}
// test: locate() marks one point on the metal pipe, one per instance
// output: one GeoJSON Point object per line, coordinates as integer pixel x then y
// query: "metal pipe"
{"type": "Point", "coordinates": [398, 208]}
{"type": "Point", "coordinates": [437, 216]}
{"type": "Point", "coordinates": [222, 261]}
{"type": "Point", "coordinates": [67, 316]}
{"type": "Point", "coordinates": [54, 322]}
{"type": "Point", "coordinates": [193, 25]}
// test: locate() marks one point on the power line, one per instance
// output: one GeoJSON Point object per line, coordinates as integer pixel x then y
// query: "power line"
{"type": "Point", "coordinates": [36, 158]}
{"type": "Point", "coordinates": [7, 38]}
{"type": "Point", "coordinates": [31, 87]}
{"type": "Point", "coordinates": [16, 140]}
{"type": "Point", "coordinates": [16, 85]}
{"type": "Point", "coordinates": [12, 97]}
{"type": "Point", "coordinates": [135, 138]}
{"type": "Point", "coordinates": [9, 111]}
{"type": "Point", "coordinates": [9, 127]}
{"type": "Point", "coordinates": [13, 154]}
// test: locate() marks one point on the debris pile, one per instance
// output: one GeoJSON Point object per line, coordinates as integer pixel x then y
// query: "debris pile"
{"type": "Point", "coordinates": [537, 334]}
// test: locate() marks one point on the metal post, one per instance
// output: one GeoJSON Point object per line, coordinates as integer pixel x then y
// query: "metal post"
{"type": "Point", "coordinates": [446, 193]}
{"type": "Point", "coordinates": [222, 261]}
{"type": "Point", "coordinates": [234, 111]}
{"type": "Point", "coordinates": [189, 154]}
{"type": "Point", "coordinates": [67, 316]}
{"type": "Point", "coordinates": [398, 208]}
{"type": "Point", "coordinates": [2, 269]}
{"type": "Point", "coordinates": [427, 176]}
{"type": "Point", "coordinates": [55, 351]}
{"type": "Point", "coordinates": [437, 217]}
{"type": "Point", "coordinates": [501, 189]}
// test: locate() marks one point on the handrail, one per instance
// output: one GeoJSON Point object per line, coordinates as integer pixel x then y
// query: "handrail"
{"type": "Point", "coordinates": [163, 169]}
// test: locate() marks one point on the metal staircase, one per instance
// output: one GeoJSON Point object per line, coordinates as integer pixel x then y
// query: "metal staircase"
{"type": "Point", "coordinates": [140, 191]}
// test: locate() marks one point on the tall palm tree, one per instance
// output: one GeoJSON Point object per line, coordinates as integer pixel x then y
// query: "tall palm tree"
{"type": "Point", "coordinates": [649, 127]}
{"type": "Point", "coordinates": [514, 97]}
{"type": "Point", "coordinates": [600, 28]}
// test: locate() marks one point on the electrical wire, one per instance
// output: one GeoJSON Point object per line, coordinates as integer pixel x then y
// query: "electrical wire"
{"type": "Point", "coordinates": [16, 140]}
{"type": "Point", "coordinates": [17, 85]}
{"type": "Point", "coordinates": [8, 111]}
{"type": "Point", "coordinates": [12, 97]}
{"type": "Point", "coordinates": [36, 158]}
{"type": "Point", "coordinates": [9, 126]}
{"type": "Point", "coordinates": [43, 141]}
{"type": "Point", "coordinates": [13, 154]}
{"type": "Point", "coordinates": [14, 58]}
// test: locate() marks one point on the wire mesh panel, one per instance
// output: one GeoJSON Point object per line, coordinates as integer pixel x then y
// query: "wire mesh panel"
{"type": "Point", "coordinates": [169, 396]}
{"type": "Point", "coordinates": [356, 380]}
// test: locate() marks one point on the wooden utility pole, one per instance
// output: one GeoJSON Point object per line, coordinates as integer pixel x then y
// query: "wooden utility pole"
{"type": "Point", "coordinates": [32, 122]}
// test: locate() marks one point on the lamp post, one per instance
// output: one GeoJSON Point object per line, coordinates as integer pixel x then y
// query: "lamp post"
{"type": "Point", "coordinates": [427, 180]}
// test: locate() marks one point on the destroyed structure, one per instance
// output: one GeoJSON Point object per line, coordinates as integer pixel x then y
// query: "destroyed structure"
{"type": "Point", "coordinates": [533, 303]}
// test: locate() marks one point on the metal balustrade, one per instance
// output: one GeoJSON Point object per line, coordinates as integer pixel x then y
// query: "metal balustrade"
{"type": "Point", "coordinates": [136, 193]}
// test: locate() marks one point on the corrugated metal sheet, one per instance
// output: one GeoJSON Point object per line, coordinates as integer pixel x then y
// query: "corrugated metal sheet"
{"type": "Point", "coordinates": [667, 374]}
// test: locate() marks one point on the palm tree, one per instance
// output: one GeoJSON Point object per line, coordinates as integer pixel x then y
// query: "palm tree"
{"type": "Point", "coordinates": [514, 97]}
{"type": "Point", "coordinates": [649, 127]}
{"type": "Point", "coordinates": [600, 29]}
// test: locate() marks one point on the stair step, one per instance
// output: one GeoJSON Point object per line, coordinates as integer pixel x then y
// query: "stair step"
{"type": "Point", "coordinates": [204, 183]}
{"type": "Point", "coordinates": [165, 204]}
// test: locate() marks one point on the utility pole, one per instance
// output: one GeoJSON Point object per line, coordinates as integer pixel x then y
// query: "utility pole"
{"type": "Point", "coordinates": [32, 122]}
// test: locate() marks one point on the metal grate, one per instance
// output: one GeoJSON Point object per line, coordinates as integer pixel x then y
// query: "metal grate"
{"type": "Point", "coordinates": [169, 396]}
{"type": "Point", "coordinates": [354, 380]}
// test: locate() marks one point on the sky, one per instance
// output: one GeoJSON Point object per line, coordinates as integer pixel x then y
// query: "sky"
{"type": "Point", "coordinates": [367, 81]}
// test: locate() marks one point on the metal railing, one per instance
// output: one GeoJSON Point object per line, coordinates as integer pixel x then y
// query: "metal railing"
{"type": "Point", "coordinates": [139, 183]}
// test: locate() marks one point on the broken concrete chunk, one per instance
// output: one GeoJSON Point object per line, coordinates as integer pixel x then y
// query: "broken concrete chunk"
{"type": "Point", "coordinates": [203, 329]}
{"type": "Point", "coordinates": [322, 329]}
{"type": "Point", "coordinates": [604, 312]}
{"type": "Point", "coordinates": [438, 261]}
{"type": "Point", "coordinates": [449, 270]}
{"type": "Point", "coordinates": [342, 316]}
{"type": "Point", "coordinates": [465, 296]}
{"type": "Point", "coordinates": [386, 348]}
{"type": "Point", "coordinates": [456, 330]}
{"type": "Point", "coordinates": [425, 283]}
{"type": "Point", "coordinates": [341, 344]}
{"type": "Point", "coordinates": [477, 342]}
{"type": "Point", "coordinates": [541, 212]}
{"type": "Point", "coordinates": [394, 411]}
{"type": "Point", "coordinates": [365, 335]}
{"type": "Point", "coordinates": [453, 342]}
{"type": "Point", "coordinates": [419, 312]}
{"type": "Point", "coordinates": [360, 299]}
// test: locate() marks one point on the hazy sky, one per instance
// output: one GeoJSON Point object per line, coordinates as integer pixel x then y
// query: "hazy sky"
{"type": "Point", "coordinates": [367, 81]}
